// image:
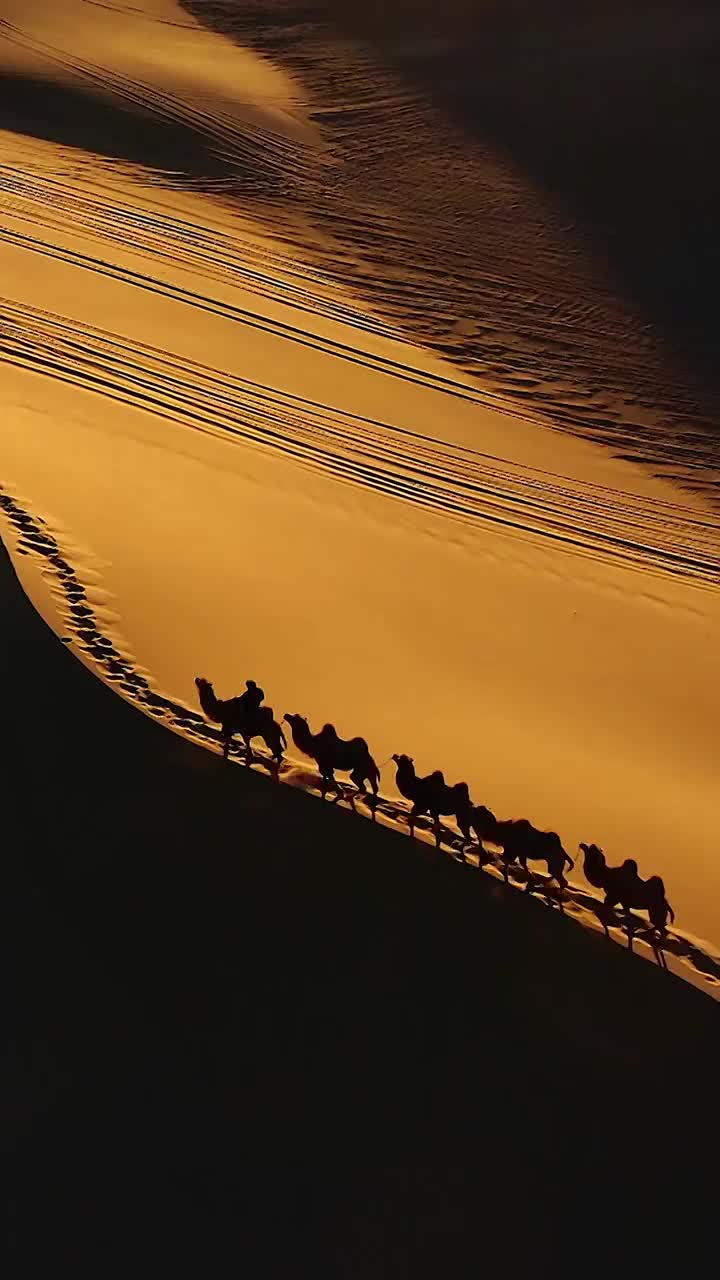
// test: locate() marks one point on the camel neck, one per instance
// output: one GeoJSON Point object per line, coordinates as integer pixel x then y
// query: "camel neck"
{"type": "Point", "coordinates": [209, 702]}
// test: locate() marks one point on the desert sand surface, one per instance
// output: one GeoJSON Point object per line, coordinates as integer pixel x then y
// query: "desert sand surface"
{"type": "Point", "coordinates": [368, 351]}
{"type": "Point", "coordinates": [243, 1032]}
{"type": "Point", "coordinates": [259, 459]}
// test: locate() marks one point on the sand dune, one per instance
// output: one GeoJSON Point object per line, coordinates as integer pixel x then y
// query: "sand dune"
{"type": "Point", "coordinates": [239, 339]}
{"type": "Point", "coordinates": [226, 1002]}
{"type": "Point", "coordinates": [85, 618]}
{"type": "Point", "coordinates": [561, 156]}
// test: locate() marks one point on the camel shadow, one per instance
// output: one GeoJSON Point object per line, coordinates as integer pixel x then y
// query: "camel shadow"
{"type": "Point", "coordinates": [35, 538]}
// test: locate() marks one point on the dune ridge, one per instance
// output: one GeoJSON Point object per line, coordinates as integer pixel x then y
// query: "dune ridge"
{"type": "Point", "coordinates": [232, 1006]}
{"type": "Point", "coordinates": [279, 345]}
{"type": "Point", "coordinates": [85, 633]}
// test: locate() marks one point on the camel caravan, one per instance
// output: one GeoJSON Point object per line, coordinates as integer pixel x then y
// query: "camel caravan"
{"type": "Point", "coordinates": [517, 840]}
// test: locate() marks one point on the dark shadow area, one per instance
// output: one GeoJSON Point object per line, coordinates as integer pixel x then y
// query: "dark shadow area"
{"type": "Point", "coordinates": [615, 110]}
{"type": "Point", "coordinates": [90, 121]}
{"type": "Point", "coordinates": [611, 110]}
{"type": "Point", "coordinates": [244, 1026]}
{"type": "Point", "coordinates": [218, 721]}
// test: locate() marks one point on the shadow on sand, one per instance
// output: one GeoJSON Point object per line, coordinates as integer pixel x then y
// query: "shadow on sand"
{"type": "Point", "coordinates": [176, 148]}
{"type": "Point", "coordinates": [421, 811]}
{"type": "Point", "coordinates": [613, 113]}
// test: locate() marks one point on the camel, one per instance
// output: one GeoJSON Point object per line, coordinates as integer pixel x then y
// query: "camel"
{"type": "Point", "coordinates": [433, 795]}
{"type": "Point", "coordinates": [233, 717]}
{"type": "Point", "coordinates": [623, 885]}
{"type": "Point", "coordinates": [520, 841]}
{"type": "Point", "coordinates": [332, 752]}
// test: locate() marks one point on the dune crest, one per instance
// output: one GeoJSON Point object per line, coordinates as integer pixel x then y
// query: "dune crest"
{"type": "Point", "coordinates": [687, 955]}
{"type": "Point", "coordinates": [235, 364]}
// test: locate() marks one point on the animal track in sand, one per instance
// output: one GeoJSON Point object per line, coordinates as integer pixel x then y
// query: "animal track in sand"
{"type": "Point", "coordinates": [87, 637]}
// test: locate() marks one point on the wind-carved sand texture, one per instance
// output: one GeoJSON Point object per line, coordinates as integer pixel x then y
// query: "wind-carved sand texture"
{"type": "Point", "coordinates": [527, 188]}
{"type": "Point", "coordinates": [283, 339]}
{"type": "Point", "coordinates": [85, 633]}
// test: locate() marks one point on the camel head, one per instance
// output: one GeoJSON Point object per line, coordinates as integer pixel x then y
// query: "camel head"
{"type": "Point", "coordinates": [592, 850]}
{"type": "Point", "coordinates": [403, 762]}
{"type": "Point", "coordinates": [595, 861]}
{"type": "Point", "coordinates": [296, 722]}
{"type": "Point", "coordinates": [208, 701]}
{"type": "Point", "coordinates": [206, 693]}
{"type": "Point", "coordinates": [484, 822]}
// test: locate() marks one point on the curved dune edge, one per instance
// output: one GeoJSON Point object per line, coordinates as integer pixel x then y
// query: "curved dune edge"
{"type": "Point", "coordinates": [689, 957]}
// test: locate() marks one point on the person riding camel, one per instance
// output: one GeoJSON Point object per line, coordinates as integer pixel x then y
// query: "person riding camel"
{"type": "Point", "coordinates": [252, 699]}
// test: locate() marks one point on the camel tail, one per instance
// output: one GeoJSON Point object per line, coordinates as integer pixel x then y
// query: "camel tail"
{"type": "Point", "coordinates": [672, 913]}
{"type": "Point", "coordinates": [569, 860]}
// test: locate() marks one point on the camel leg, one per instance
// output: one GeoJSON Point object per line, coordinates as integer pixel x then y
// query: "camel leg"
{"type": "Point", "coordinates": [659, 937]}
{"type": "Point", "coordinates": [248, 750]}
{"type": "Point", "coordinates": [372, 800]}
{"type": "Point", "coordinates": [227, 739]}
{"type": "Point", "coordinates": [331, 781]}
{"type": "Point", "coordinates": [466, 839]}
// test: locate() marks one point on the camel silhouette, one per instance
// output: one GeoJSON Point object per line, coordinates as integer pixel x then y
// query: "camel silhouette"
{"type": "Point", "coordinates": [434, 796]}
{"type": "Point", "coordinates": [235, 716]}
{"type": "Point", "coordinates": [330, 752]}
{"type": "Point", "coordinates": [623, 885]}
{"type": "Point", "coordinates": [520, 841]}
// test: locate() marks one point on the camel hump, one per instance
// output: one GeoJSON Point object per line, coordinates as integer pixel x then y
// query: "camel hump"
{"type": "Point", "coordinates": [438, 776]}
{"type": "Point", "coordinates": [655, 887]}
{"type": "Point", "coordinates": [524, 826]}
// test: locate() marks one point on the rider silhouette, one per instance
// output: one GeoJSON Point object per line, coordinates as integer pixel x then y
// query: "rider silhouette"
{"type": "Point", "coordinates": [252, 698]}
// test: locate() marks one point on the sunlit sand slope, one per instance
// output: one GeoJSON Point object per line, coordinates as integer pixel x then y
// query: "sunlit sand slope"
{"type": "Point", "coordinates": [250, 469]}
